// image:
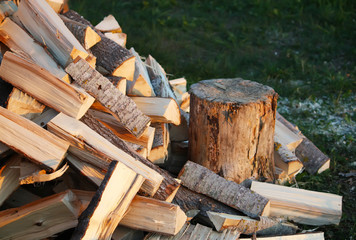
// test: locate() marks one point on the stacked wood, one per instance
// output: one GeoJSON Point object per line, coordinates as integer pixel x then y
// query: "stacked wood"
{"type": "Point", "coordinates": [119, 38]}
{"type": "Point", "coordinates": [299, 205]}
{"type": "Point", "coordinates": [9, 175]}
{"type": "Point", "coordinates": [7, 8]}
{"type": "Point", "coordinates": [159, 150]}
{"type": "Point", "coordinates": [109, 24]}
{"type": "Point", "coordinates": [225, 112]}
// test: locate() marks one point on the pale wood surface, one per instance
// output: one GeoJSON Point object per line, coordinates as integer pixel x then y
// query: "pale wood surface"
{"type": "Point", "coordinates": [29, 139]}
{"type": "Point", "coordinates": [109, 204]}
{"type": "Point", "coordinates": [314, 160]}
{"type": "Point", "coordinates": [299, 205]}
{"type": "Point", "coordinates": [7, 8]}
{"type": "Point", "coordinates": [225, 112]}
{"type": "Point", "coordinates": [42, 85]}
{"type": "Point", "coordinates": [46, 27]}
{"type": "Point", "coordinates": [83, 137]}
{"type": "Point", "coordinates": [108, 24]}
{"type": "Point", "coordinates": [40, 219]}
{"type": "Point", "coordinates": [120, 106]}
{"type": "Point", "coordinates": [41, 176]}
{"type": "Point", "coordinates": [304, 236]}
{"type": "Point", "coordinates": [286, 159]}
{"type": "Point", "coordinates": [169, 185]}
{"type": "Point", "coordinates": [202, 180]}
{"type": "Point", "coordinates": [159, 151]}
{"type": "Point", "coordinates": [56, 5]}
{"type": "Point", "coordinates": [286, 137]}
{"type": "Point", "coordinates": [119, 38]}
{"type": "Point", "coordinates": [159, 109]}
{"type": "Point", "coordinates": [23, 104]}
{"type": "Point", "coordinates": [9, 177]}
{"type": "Point", "coordinates": [18, 40]}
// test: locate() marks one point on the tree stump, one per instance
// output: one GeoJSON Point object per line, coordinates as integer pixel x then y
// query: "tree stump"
{"type": "Point", "coordinates": [231, 128]}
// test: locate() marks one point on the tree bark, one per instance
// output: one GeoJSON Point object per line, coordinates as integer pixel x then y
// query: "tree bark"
{"type": "Point", "coordinates": [120, 106]}
{"type": "Point", "coordinates": [231, 128]}
{"type": "Point", "coordinates": [200, 179]}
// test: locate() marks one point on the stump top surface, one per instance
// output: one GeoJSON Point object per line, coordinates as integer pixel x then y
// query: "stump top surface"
{"type": "Point", "coordinates": [236, 90]}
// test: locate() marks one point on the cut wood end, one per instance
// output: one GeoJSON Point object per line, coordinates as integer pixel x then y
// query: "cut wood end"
{"type": "Point", "coordinates": [75, 54]}
{"type": "Point", "coordinates": [91, 38]}
{"type": "Point", "coordinates": [267, 210]}
{"type": "Point", "coordinates": [126, 69]}
{"type": "Point", "coordinates": [181, 219]}
{"type": "Point", "coordinates": [325, 166]}
{"type": "Point", "coordinates": [109, 24]}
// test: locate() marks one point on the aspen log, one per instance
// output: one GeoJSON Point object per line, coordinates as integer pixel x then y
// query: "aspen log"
{"type": "Point", "coordinates": [231, 128]}
{"type": "Point", "coordinates": [200, 179]}
{"type": "Point", "coordinates": [120, 106]}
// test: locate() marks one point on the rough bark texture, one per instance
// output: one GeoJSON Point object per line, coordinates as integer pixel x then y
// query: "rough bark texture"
{"type": "Point", "coordinates": [109, 54]}
{"type": "Point", "coordinates": [231, 128]}
{"type": "Point", "coordinates": [200, 179]}
{"type": "Point", "coordinates": [312, 158]}
{"type": "Point", "coordinates": [120, 106]}
{"type": "Point", "coordinates": [168, 185]}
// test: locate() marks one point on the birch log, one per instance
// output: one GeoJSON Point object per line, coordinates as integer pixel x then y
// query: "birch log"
{"type": "Point", "coordinates": [202, 180]}
{"type": "Point", "coordinates": [120, 106]}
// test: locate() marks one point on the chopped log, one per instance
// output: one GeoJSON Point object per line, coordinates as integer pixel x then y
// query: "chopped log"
{"type": "Point", "coordinates": [146, 139]}
{"type": "Point", "coordinates": [9, 177]}
{"type": "Point", "coordinates": [141, 85]}
{"type": "Point", "coordinates": [93, 173]}
{"type": "Point", "coordinates": [18, 40]}
{"type": "Point", "coordinates": [80, 136]}
{"type": "Point", "coordinates": [56, 5]}
{"type": "Point", "coordinates": [46, 27]}
{"type": "Point", "coordinates": [165, 218]}
{"type": "Point", "coordinates": [285, 159]}
{"type": "Point", "coordinates": [109, 204]}
{"type": "Point", "coordinates": [24, 105]}
{"type": "Point", "coordinates": [109, 24]}
{"type": "Point", "coordinates": [246, 225]}
{"type": "Point", "coordinates": [25, 137]}
{"type": "Point", "coordinates": [41, 176]}
{"type": "Point", "coordinates": [158, 78]}
{"type": "Point", "coordinates": [299, 205]}
{"type": "Point", "coordinates": [119, 105]}
{"type": "Point", "coordinates": [200, 179]}
{"type": "Point", "coordinates": [42, 85]}
{"type": "Point", "coordinates": [185, 105]}
{"type": "Point", "coordinates": [179, 87]}
{"type": "Point", "coordinates": [159, 109]}
{"type": "Point", "coordinates": [124, 233]}
{"type": "Point", "coordinates": [83, 33]}
{"type": "Point", "coordinates": [229, 111]}
{"type": "Point", "coordinates": [119, 38]}
{"type": "Point", "coordinates": [169, 185]}
{"type": "Point", "coordinates": [314, 160]}
{"type": "Point", "coordinates": [302, 236]}
{"type": "Point", "coordinates": [286, 137]}
{"type": "Point", "coordinates": [119, 82]}
{"type": "Point", "coordinates": [7, 8]}
{"type": "Point", "coordinates": [40, 219]}
{"type": "Point", "coordinates": [159, 151]}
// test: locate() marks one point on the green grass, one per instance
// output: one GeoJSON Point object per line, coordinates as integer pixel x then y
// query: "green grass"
{"type": "Point", "coordinates": [305, 50]}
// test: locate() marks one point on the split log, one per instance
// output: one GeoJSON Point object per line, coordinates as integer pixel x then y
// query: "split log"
{"type": "Point", "coordinates": [29, 139]}
{"type": "Point", "coordinates": [179, 87]}
{"type": "Point", "coordinates": [286, 137]}
{"type": "Point", "coordinates": [169, 185]}
{"type": "Point", "coordinates": [141, 84]}
{"type": "Point", "coordinates": [83, 33]}
{"type": "Point", "coordinates": [109, 204]}
{"type": "Point", "coordinates": [119, 38]}
{"type": "Point", "coordinates": [246, 225]}
{"type": "Point", "coordinates": [286, 160]}
{"type": "Point", "coordinates": [40, 219]}
{"type": "Point", "coordinates": [119, 82]}
{"type": "Point", "coordinates": [200, 179]}
{"type": "Point", "coordinates": [7, 8]}
{"type": "Point", "coordinates": [18, 40]}
{"type": "Point", "coordinates": [108, 24]}
{"type": "Point", "coordinates": [229, 111]}
{"type": "Point", "coordinates": [115, 59]}
{"type": "Point", "coordinates": [56, 5]}
{"type": "Point", "coordinates": [120, 106]}
{"type": "Point", "coordinates": [124, 233]}
{"type": "Point", "coordinates": [46, 27]}
{"type": "Point", "coordinates": [299, 205]}
{"type": "Point", "coordinates": [42, 176]}
{"type": "Point", "coordinates": [159, 109]}
{"type": "Point", "coordinates": [159, 151]}
{"type": "Point", "coordinates": [302, 236]}
{"type": "Point", "coordinates": [9, 177]}
{"type": "Point", "coordinates": [158, 78]}
{"type": "Point", "coordinates": [146, 139]}
{"type": "Point", "coordinates": [314, 160]}
{"type": "Point", "coordinates": [24, 105]}
{"type": "Point", "coordinates": [42, 85]}
{"type": "Point", "coordinates": [80, 136]}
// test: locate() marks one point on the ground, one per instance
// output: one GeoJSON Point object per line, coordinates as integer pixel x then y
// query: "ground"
{"type": "Point", "coordinates": [305, 50]}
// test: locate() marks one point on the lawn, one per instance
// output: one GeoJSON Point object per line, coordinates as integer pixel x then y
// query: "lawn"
{"type": "Point", "coordinates": [305, 50]}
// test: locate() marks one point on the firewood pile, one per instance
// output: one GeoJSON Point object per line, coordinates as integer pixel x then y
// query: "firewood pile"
{"type": "Point", "coordinates": [94, 143]}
